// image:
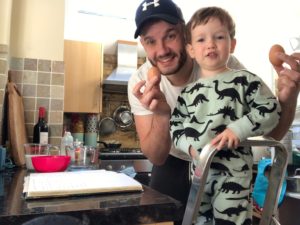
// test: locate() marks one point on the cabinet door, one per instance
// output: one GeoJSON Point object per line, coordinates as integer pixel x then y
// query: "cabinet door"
{"type": "Point", "coordinates": [83, 76]}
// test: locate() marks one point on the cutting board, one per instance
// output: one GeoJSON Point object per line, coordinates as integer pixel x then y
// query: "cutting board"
{"type": "Point", "coordinates": [16, 124]}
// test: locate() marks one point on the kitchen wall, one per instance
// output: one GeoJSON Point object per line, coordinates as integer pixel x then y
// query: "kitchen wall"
{"type": "Point", "coordinates": [111, 101]}
{"type": "Point", "coordinates": [31, 51]}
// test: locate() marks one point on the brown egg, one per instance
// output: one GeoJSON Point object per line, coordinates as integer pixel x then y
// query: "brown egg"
{"type": "Point", "coordinates": [152, 72]}
{"type": "Point", "coordinates": [273, 55]}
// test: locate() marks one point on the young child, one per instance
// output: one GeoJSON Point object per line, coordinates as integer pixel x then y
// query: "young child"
{"type": "Point", "coordinates": [223, 108]}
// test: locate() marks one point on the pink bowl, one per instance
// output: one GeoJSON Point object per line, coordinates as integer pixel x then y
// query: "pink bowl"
{"type": "Point", "coordinates": [53, 163]}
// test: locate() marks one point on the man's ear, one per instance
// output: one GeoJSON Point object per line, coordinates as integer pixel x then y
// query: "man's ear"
{"type": "Point", "coordinates": [190, 50]}
{"type": "Point", "coordinates": [233, 44]}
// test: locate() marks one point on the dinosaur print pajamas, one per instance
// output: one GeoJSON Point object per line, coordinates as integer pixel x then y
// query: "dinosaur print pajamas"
{"type": "Point", "coordinates": [238, 100]}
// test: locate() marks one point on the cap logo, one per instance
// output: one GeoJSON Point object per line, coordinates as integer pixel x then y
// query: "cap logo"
{"type": "Point", "coordinates": [155, 3]}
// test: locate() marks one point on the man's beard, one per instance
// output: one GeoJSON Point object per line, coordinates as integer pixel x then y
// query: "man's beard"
{"type": "Point", "coordinates": [181, 62]}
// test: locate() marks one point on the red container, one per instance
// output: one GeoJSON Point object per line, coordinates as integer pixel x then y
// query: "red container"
{"type": "Point", "coordinates": [51, 163]}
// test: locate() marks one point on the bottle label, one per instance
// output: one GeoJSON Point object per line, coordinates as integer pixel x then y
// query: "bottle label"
{"type": "Point", "coordinates": [43, 137]}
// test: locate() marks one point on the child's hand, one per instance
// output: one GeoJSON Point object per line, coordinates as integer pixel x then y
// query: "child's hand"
{"type": "Point", "coordinates": [226, 139]}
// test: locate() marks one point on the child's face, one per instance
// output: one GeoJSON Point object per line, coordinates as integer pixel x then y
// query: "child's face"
{"type": "Point", "coordinates": [211, 45]}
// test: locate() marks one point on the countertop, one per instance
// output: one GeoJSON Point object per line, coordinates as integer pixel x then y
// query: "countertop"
{"type": "Point", "coordinates": [144, 207]}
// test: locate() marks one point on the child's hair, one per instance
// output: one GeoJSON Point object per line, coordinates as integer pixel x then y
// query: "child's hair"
{"type": "Point", "coordinates": [203, 15]}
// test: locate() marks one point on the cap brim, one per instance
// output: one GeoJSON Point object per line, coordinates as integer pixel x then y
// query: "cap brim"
{"type": "Point", "coordinates": [169, 19]}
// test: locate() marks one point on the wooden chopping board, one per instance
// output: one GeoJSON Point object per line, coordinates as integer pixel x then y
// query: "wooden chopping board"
{"type": "Point", "coordinates": [16, 124]}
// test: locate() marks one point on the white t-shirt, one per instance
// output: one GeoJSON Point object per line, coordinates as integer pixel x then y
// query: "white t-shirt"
{"type": "Point", "coordinates": [171, 93]}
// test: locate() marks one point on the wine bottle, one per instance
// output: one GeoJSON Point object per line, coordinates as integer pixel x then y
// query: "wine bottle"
{"type": "Point", "coordinates": [40, 131]}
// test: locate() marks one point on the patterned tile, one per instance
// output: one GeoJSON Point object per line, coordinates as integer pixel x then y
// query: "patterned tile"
{"type": "Point", "coordinates": [58, 79]}
{"type": "Point", "coordinates": [3, 66]}
{"type": "Point", "coordinates": [29, 90]}
{"type": "Point", "coordinates": [43, 91]}
{"type": "Point", "coordinates": [57, 92]}
{"type": "Point", "coordinates": [56, 117]}
{"type": "Point", "coordinates": [58, 67]}
{"type": "Point", "coordinates": [44, 78]}
{"type": "Point", "coordinates": [57, 105]}
{"type": "Point", "coordinates": [16, 76]}
{"type": "Point", "coordinates": [29, 103]}
{"type": "Point", "coordinates": [30, 64]}
{"type": "Point", "coordinates": [29, 77]}
{"type": "Point", "coordinates": [44, 65]}
{"type": "Point", "coordinates": [16, 63]}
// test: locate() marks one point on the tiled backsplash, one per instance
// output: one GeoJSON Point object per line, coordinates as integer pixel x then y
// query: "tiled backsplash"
{"type": "Point", "coordinates": [41, 83]}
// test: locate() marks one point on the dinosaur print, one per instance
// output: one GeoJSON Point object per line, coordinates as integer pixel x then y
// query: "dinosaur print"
{"type": "Point", "coordinates": [223, 222]}
{"type": "Point", "coordinates": [226, 111]}
{"type": "Point", "coordinates": [177, 134]}
{"type": "Point", "coordinates": [200, 98]}
{"type": "Point", "coordinates": [231, 186]}
{"type": "Point", "coordinates": [243, 169]}
{"type": "Point", "coordinates": [233, 210]}
{"type": "Point", "coordinates": [228, 92]}
{"type": "Point", "coordinates": [219, 129]}
{"type": "Point", "coordinates": [228, 154]}
{"type": "Point", "coordinates": [240, 198]}
{"type": "Point", "coordinates": [194, 120]}
{"type": "Point", "coordinates": [196, 87]}
{"type": "Point", "coordinates": [208, 215]}
{"type": "Point", "coordinates": [262, 109]}
{"type": "Point", "coordinates": [253, 86]}
{"type": "Point", "coordinates": [222, 168]}
{"type": "Point", "coordinates": [238, 80]}
{"type": "Point", "coordinates": [181, 100]}
{"type": "Point", "coordinates": [212, 189]}
{"type": "Point", "coordinates": [247, 222]}
{"type": "Point", "coordinates": [193, 133]}
{"type": "Point", "coordinates": [174, 123]}
{"type": "Point", "coordinates": [254, 104]}
{"type": "Point", "coordinates": [177, 113]}
{"type": "Point", "coordinates": [257, 126]}
{"type": "Point", "coordinates": [242, 152]}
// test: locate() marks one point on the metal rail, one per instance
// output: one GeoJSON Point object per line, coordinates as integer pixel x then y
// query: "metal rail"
{"type": "Point", "coordinates": [275, 181]}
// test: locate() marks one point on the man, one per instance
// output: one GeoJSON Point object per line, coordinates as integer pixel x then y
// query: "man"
{"type": "Point", "coordinates": [160, 25]}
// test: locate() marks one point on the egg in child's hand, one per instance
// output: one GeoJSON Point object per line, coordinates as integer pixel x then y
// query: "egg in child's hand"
{"type": "Point", "coordinates": [273, 55]}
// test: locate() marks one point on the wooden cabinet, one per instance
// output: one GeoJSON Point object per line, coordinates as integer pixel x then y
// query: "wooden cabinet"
{"type": "Point", "coordinates": [83, 76]}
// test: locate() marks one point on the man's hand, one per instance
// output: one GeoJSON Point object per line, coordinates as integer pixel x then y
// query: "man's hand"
{"type": "Point", "coordinates": [288, 84]}
{"type": "Point", "coordinates": [151, 97]}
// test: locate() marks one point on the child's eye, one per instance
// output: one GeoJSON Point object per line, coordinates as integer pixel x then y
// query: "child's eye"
{"type": "Point", "coordinates": [200, 40]}
{"type": "Point", "coordinates": [220, 37]}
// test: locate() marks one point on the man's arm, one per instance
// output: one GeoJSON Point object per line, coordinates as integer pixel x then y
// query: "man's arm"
{"type": "Point", "coordinates": [153, 129]}
{"type": "Point", "coordinates": [154, 135]}
{"type": "Point", "coordinates": [288, 86]}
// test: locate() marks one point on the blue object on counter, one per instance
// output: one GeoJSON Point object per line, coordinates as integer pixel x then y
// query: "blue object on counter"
{"type": "Point", "coordinates": [261, 184]}
{"type": "Point", "coordinates": [129, 171]}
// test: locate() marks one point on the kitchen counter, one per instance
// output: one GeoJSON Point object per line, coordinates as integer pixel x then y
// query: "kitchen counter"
{"type": "Point", "coordinates": [144, 207]}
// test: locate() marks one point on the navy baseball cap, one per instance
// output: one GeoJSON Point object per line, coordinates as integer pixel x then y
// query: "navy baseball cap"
{"type": "Point", "coordinates": [166, 10]}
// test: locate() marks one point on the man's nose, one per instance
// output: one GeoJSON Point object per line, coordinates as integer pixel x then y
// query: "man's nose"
{"type": "Point", "coordinates": [162, 48]}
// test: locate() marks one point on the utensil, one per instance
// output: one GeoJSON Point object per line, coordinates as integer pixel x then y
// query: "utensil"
{"type": "Point", "coordinates": [112, 145]}
{"type": "Point", "coordinates": [51, 163]}
{"type": "Point", "coordinates": [123, 117]}
{"type": "Point", "coordinates": [107, 126]}
{"type": "Point", "coordinates": [32, 149]}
